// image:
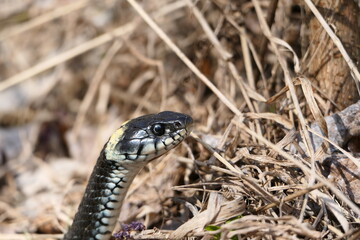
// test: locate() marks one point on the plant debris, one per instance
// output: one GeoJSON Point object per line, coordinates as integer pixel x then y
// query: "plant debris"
{"type": "Point", "coordinates": [271, 156]}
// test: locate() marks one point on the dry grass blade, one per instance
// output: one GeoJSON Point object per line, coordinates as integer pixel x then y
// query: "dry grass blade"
{"type": "Point", "coordinates": [217, 155]}
{"type": "Point", "coordinates": [304, 168]}
{"type": "Point", "coordinates": [65, 56]}
{"type": "Point", "coordinates": [347, 154]}
{"type": "Point", "coordinates": [288, 81]}
{"type": "Point", "coordinates": [272, 116]}
{"type": "Point", "coordinates": [183, 57]}
{"type": "Point", "coordinates": [319, 118]}
{"type": "Point", "coordinates": [334, 207]}
{"type": "Point", "coordinates": [223, 53]}
{"type": "Point", "coordinates": [43, 19]}
{"type": "Point", "coordinates": [266, 227]}
{"type": "Point", "coordinates": [95, 83]}
{"type": "Point", "coordinates": [292, 196]}
{"type": "Point", "coordinates": [76, 51]}
{"type": "Point", "coordinates": [30, 236]}
{"type": "Point", "coordinates": [218, 211]}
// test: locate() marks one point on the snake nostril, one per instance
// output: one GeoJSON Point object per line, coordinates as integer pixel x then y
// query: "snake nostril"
{"type": "Point", "coordinates": [177, 124]}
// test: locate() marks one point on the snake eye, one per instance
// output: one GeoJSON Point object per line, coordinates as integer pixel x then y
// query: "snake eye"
{"type": "Point", "coordinates": [158, 129]}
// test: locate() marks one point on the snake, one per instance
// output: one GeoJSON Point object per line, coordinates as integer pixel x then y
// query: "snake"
{"type": "Point", "coordinates": [134, 144]}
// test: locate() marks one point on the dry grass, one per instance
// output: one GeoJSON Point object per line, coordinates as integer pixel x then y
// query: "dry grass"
{"type": "Point", "coordinates": [72, 71]}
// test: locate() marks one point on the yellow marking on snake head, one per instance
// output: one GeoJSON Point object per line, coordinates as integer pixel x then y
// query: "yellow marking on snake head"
{"type": "Point", "coordinates": [115, 137]}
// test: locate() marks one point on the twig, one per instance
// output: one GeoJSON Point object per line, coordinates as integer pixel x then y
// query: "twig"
{"type": "Point", "coordinates": [304, 168]}
{"type": "Point", "coordinates": [95, 83]}
{"type": "Point", "coordinates": [84, 47]}
{"type": "Point", "coordinates": [42, 19]}
{"type": "Point", "coordinates": [183, 57]}
{"type": "Point", "coordinates": [30, 236]}
{"type": "Point", "coordinates": [65, 56]}
{"type": "Point", "coordinates": [288, 81]}
{"type": "Point", "coordinates": [291, 196]}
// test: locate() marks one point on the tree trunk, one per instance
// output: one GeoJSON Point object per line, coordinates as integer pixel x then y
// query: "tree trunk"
{"type": "Point", "coordinates": [324, 64]}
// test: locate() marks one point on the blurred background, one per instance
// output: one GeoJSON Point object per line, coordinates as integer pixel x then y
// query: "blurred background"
{"type": "Point", "coordinates": [72, 71]}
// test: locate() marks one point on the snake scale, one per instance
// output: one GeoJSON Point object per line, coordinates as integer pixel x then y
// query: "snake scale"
{"type": "Point", "coordinates": [128, 150]}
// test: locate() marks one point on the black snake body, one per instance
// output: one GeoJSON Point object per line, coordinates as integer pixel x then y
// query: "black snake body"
{"type": "Point", "coordinates": [128, 150]}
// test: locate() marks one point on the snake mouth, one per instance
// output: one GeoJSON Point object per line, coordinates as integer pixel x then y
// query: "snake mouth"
{"type": "Point", "coordinates": [161, 145]}
{"type": "Point", "coordinates": [189, 127]}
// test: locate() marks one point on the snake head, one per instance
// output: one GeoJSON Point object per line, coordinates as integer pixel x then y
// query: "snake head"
{"type": "Point", "coordinates": [148, 137]}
